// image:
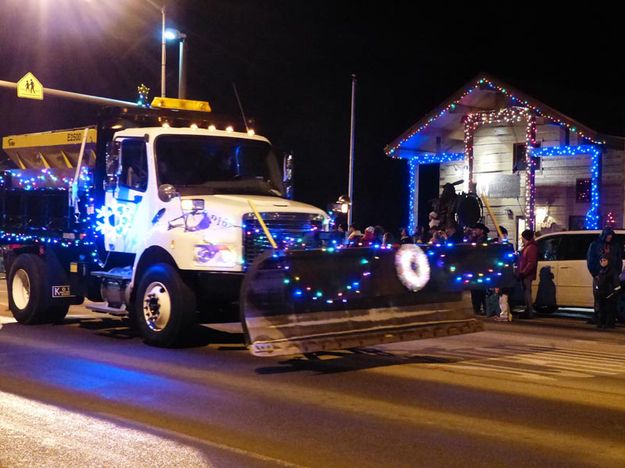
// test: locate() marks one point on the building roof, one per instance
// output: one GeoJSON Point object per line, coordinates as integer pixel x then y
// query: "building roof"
{"type": "Point", "coordinates": [442, 130]}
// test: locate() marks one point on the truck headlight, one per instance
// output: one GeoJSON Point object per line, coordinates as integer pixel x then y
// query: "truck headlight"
{"type": "Point", "coordinates": [217, 255]}
{"type": "Point", "coordinates": [192, 205]}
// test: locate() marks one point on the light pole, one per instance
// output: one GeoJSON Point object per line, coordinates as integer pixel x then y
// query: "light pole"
{"type": "Point", "coordinates": [352, 125]}
{"type": "Point", "coordinates": [174, 34]}
{"type": "Point", "coordinates": [163, 44]}
{"type": "Point", "coordinates": [163, 52]}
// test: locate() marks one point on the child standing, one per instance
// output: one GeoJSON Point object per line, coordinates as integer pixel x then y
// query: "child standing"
{"type": "Point", "coordinates": [606, 286]}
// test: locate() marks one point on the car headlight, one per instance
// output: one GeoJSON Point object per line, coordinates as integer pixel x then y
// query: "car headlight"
{"type": "Point", "coordinates": [217, 255]}
{"type": "Point", "coordinates": [323, 220]}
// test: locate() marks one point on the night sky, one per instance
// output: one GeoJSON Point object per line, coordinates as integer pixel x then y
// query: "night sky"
{"type": "Point", "coordinates": [292, 63]}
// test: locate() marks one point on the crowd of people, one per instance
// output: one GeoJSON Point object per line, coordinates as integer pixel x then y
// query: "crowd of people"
{"type": "Point", "coordinates": [604, 260]}
{"type": "Point", "coordinates": [451, 233]}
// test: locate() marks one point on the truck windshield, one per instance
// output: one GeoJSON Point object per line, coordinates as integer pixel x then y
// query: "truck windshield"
{"type": "Point", "coordinates": [196, 164]}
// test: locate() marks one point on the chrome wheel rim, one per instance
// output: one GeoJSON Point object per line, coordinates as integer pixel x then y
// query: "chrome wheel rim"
{"type": "Point", "coordinates": [156, 306]}
{"type": "Point", "coordinates": [20, 289]}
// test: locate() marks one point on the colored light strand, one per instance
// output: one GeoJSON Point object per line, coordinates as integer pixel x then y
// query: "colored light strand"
{"type": "Point", "coordinates": [412, 194]}
{"type": "Point", "coordinates": [143, 98]}
{"type": "Point", "coordinates": [303, 289]}
{"type": "Point", "coordinates": [391, 150]}
{"type": "Point", "coordinates": [41, 179]}
{"type": "Point", "coordinates": [593, 215]}
{"type": "Point", "coordinates": [83, 235]}
{"type": "Point", "coordinates": [530, 173]}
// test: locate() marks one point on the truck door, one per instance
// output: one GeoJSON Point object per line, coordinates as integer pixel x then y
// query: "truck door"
{"type": "Point", "coordinates": [119, 219]}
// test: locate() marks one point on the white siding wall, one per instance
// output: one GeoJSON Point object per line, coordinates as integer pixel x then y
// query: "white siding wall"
{"type": "Point", "coordinates": [555, 181]}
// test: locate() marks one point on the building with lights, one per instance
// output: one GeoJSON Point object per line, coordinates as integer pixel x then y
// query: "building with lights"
{"type": "Point", "coordinates": [536, 167]}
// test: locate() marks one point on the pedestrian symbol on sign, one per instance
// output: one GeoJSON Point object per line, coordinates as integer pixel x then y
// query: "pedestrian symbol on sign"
{"type": "Point", "coordinates": [29, 87]}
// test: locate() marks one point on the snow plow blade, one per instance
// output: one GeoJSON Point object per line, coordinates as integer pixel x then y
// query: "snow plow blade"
{"type": "Point", "coordinates": [319, 300]}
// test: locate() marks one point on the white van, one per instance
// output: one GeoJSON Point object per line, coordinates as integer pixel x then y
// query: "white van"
{"type": "Point", "coordinates": [562, 278]}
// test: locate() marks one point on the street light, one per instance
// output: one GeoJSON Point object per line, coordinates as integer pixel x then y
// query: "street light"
{"type": "Point", "coordinates": [172, 35]}
{"type": "Point", "coordinates": [163, 39]}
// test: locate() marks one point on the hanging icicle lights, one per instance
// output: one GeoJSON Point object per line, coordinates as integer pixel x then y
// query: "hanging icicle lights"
{"type": "Point", "coordinates": [480, 84]}
{"type": "Point", "coordinates": [592, 216]}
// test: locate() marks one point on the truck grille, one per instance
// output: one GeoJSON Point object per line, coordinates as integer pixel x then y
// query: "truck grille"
{"type": "Point", "coordinates": [290, 230]}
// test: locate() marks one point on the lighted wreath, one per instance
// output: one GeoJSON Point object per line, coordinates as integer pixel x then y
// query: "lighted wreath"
{"type": "Point", "coordinates": [413, 267]}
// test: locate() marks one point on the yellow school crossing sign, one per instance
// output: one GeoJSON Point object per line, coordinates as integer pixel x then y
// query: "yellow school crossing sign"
{"type": "Point", "coordinates": [29, 87]}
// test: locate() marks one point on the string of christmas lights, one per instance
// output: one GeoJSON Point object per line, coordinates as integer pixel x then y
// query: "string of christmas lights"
{"type": "Point", "coordinates": [593, 215]}
{"type": "Point", "coordinates": [413, 167]}
{"type": "Point", "coordinates": [610, 219]}
{"type": "Point", "coordinates": [530, 173]}
{"type": "Point", "coordinates": [143, 98]}
{"type": "Point", "coordinates": [436, 158]}
{"type": "Point", "coordinates": [480, 84]}
{"type": "Point", "coordinates": [473, 121]}
{"type": "Point", "coordinates": [413, 163]}
{"type": "Point", "coordinates": [42, 179]}
{"type": "Point", "coordinates": [451, 274]}
{"type": "Point", "coordinates": [83, 235]}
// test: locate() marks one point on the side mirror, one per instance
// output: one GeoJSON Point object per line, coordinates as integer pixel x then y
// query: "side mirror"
{"type": "Point", "coordinates": [288, 166]}
{"type": "Point", "coordinates": [166, 192]}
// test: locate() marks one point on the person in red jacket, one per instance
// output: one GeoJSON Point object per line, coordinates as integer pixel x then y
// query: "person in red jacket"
{"type": "Point", "coordinates": [527, 269]}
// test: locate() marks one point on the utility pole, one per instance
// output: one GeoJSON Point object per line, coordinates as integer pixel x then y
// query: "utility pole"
{"type": "Point", "coordinates": [163, 52]}
{"type": "Point", "coordinates": [163, 43]}
{"type": "Point", "coordinates": [350, 188]}
{"type": "Point", "coordinates": [182, 67]}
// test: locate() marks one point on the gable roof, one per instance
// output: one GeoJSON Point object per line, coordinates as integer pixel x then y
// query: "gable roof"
{"type": "Point", "coordinates": [483, 93]}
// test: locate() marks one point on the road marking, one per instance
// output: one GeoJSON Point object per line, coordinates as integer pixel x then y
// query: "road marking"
{"type": "Point", "coordinates": [534, 362]}
{"type": "Point", "coordinates": [7, 320]}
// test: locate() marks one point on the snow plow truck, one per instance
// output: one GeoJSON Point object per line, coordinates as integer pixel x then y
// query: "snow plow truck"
{"type": "Point", "coordinates": [172, 217]}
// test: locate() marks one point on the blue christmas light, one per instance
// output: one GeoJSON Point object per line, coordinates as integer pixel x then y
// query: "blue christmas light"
{"type": "Point", "coordinates": [592, 216]}
{"type": "Point", "coordinates": [437, 158]}
{"type": "Point", "coordinates": [392, 150]}
{"type": "Point", "coordinates": [413, 167]}
{"type": "Point", "coordinates": [83, 235]}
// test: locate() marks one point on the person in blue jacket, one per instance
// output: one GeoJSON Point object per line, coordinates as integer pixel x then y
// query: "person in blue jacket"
{"type": "Point", "coordinates": [605, 245]}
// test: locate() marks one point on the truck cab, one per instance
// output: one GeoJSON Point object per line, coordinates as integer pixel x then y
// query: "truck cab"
{"type": "Point", "coordinates": [176, 204]}
{"type": "Point", "coordinates": [190, 191]}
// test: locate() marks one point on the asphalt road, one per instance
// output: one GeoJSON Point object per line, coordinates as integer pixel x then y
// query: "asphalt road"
{"type": "Point", "coordinates": [88, 393]}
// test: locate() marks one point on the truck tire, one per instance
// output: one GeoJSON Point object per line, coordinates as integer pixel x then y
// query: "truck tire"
{"type": "Point", "coordinates": [29, 292]}
{"type": "Point", "coordinates": [165, 306]}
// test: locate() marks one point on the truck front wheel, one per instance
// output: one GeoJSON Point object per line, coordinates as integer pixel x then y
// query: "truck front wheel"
{"type": "Point", "coordinates": [29, 292]}
{"type": "Point", "coordinates": [165, 306]}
